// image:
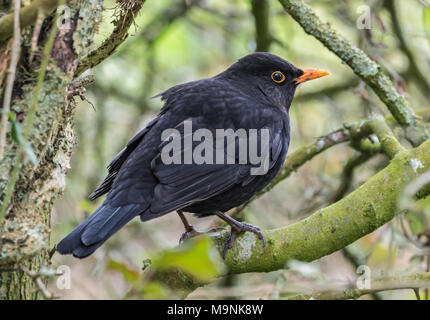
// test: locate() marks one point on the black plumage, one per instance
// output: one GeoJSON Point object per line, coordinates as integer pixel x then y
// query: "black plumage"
{"type": "Point", "coordinates": [254, 93]}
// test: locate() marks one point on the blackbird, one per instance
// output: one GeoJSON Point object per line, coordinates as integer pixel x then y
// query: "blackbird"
{"type": "Point", "coordinates": [255, 93]}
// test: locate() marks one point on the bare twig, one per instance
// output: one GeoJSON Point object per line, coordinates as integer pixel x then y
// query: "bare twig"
{"type": "Point", "coordinates": [37, 278]}
{"type": "Point", "coordinates": [16, 48]}
{"type": "Point", "coordinates": [77, 88]}
{"type": "Point", "coordinates": [36, 32]}
{"type": "Point", "coordinates": [347, 175]}
{"type": "Point", "coordinates": [41, 77]}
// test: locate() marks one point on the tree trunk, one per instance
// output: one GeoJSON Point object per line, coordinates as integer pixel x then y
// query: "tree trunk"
{"type": "Point", "coordinates": [25, 229]}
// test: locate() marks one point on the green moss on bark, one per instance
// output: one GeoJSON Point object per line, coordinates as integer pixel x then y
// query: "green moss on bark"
{"type": "Point", "coordinates": [329, 229]}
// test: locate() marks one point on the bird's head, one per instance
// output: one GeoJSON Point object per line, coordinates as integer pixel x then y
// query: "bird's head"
{"type": "Point", "coordinates": [266, 74]}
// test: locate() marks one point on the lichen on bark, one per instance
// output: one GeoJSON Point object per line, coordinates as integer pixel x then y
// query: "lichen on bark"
{"type": "Point", "coordinates": [24, 235]}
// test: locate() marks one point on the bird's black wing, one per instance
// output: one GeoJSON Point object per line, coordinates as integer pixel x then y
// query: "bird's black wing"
{"type": "Point", "coordinates": [118, 161]}
{"type": "Point", "coordinates": [181, 185]}
{"type": "Point", "coordinates": [170, 97]}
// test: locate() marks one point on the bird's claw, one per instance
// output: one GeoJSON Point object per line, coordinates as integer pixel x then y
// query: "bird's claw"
{"type": "Point", "coordinates": [215, 229]}
{"type": "Point", "coordinates": [239, 228]}
{"type": "Point", "coordinates": [194, 233]}
{"type": "Point", "coordinates": [189, 234]}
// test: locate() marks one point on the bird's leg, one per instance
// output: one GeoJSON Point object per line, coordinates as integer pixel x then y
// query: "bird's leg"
{"type": "Point", "coordinates": [237, 228]}
{"type": "Point", "coordinates": [190, 232]}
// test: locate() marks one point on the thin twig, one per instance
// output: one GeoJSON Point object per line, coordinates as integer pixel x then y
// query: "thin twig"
{"type": "Point", "coordinates": [36, 32]}
{"type": "Point", "coordinates": [347, 175]}
{"type": "Point", "coordinates": [417, 293]}
{"type": "Point", "coordinates": [37, 279]}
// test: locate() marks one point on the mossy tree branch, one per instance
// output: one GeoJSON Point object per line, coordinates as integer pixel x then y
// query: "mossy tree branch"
{"type": "Point", "coordinates": [362, 65]}
{"type": "Point", "coordinates": [324, 232]}
{"type": "Point", "coordinates": [127, 13]}
{"type": "Point", "coordinates": [27, 16]}
{"type": "Point", "coordinates": [389, 143]}
{"type": "Point", "coordinates": [334, 227]}
{"type": "Point", "coordinates": [263, 38]}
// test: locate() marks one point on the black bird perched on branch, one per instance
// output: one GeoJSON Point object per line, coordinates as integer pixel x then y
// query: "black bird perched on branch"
{"type": "Point", "coordinates": [254, 93]}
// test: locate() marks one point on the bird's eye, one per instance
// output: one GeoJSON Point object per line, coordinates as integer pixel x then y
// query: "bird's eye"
{"type": "Point", "coordinates": [278, 77]}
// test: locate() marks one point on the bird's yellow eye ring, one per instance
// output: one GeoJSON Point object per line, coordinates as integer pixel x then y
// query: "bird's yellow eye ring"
{"type": "Point", "coordinates": [278, 76]}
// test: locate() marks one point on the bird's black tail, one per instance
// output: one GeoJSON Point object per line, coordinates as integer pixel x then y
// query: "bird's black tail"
{"type": "Point", "coordinates": [96, 229]}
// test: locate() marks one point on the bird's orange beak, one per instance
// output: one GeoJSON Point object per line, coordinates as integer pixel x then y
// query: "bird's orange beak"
{"type": "Point", "coordinates": [310, 74]}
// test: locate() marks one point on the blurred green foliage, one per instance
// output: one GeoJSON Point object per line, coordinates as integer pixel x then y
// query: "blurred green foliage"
{"type": "Point", "coordinates": [197, 257]}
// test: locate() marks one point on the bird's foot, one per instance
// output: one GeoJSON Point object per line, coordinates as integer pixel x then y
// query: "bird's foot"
{"type": "Point", "coordinates": [237, 228]}
{"type": "Point", "coordinates": [192, 232]}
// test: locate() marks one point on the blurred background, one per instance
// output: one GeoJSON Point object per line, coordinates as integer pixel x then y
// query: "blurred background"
{"type": "Point", "coordinates": [178, 41]}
